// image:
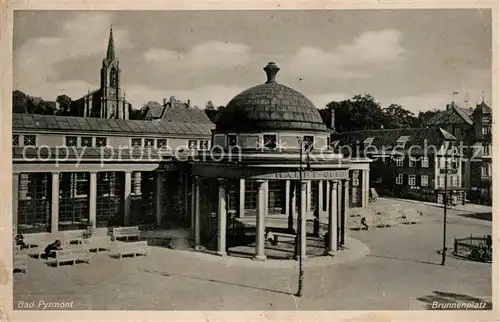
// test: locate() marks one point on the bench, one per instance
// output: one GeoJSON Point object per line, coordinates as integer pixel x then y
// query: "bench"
{"type": "Point", "coordinates": [20, 262]}
{"type": "Point", "coordinates": [135, 248]}
{"type": "Point", "coordinates": [97, 243]}
{"type": "Point", "coordinates": [277, 235]}
{"type": "Point", "coordinates": [126, 232]}
{"type": "Point", "coordinates": [72, 255]}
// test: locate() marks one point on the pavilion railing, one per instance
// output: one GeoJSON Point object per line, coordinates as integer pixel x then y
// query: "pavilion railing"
{"type": "Point", "coordinates": [474, 248]}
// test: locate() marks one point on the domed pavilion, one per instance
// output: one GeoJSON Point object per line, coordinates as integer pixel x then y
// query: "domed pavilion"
{"type": "Point", "coordinates": [271, 158]}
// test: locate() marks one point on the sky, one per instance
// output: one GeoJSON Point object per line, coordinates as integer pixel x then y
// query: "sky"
{"type": "Point", "coordinates": [415, 58]}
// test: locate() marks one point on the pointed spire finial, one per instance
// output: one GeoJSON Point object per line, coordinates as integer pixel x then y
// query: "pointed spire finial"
{"type": "Point", "coordinates": [110, 55]}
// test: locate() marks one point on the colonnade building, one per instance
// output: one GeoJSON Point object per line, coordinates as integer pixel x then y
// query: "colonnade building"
{"type": "Point", "coordinates": [268, 155]}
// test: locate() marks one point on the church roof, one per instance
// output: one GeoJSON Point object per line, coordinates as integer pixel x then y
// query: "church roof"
{"type": "Point", "coordinates": [48, 123]}
{"type": "Point", "coordinates": [110, 54]}
{"type": "Point", "coordinates": [270, 106]}
{"type": "Point", "coordinates": [452, 115]}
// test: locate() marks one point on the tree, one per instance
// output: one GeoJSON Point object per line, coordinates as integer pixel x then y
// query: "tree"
{"type": "Point", "coordinates": [209, 106]}
{"type": "Point", "coordinates": [64, 102]}
{"type": "Point", "coordinates": [19, 102]}
{"type": "Point", "coordinates": [400, 117]}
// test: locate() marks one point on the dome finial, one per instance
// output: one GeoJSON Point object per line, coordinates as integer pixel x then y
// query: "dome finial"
{"type": "Point", "coordinates": [271, 70]}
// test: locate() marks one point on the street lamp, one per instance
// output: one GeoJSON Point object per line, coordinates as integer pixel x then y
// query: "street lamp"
{"type": "Point", "coordinates": [445, 200]}
{"type": "Point", "coordinates": [298, 240]}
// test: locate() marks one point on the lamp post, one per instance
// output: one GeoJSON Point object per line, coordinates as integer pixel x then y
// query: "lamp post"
{"type": "Point", "coordinates": [445, 200]}
{"type": "Point", "coordinates": [298, 240]}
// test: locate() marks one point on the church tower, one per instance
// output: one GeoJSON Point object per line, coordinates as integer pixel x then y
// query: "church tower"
{"type": "Point", "coordinates": [113, 105]}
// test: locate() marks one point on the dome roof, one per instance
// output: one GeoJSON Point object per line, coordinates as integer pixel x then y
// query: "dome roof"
{"type": "Point", "coordinates": [270, 106]}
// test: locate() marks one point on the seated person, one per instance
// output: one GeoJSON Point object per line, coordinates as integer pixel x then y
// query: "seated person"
{"type": "Point", "coordinates": [363, 223]}
{"type": "Point", "coordinates": [270, 238]}
{"type": "Point", "coordinates": [54, 246]}
{"type": "Point", "coordinates": [19, 239]}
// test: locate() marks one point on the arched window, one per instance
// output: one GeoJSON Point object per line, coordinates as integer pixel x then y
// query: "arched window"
{"type": "Point", "coordinates": [112, 77]}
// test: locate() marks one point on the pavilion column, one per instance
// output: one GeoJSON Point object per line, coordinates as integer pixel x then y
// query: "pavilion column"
{"type": "Point", "coordinates": [186, 195]}
{"type": "Point", "coordinates": [332, 219]}
{"type": "Point", "coordinates": [15, 202]}
{"type": "Point", "coordinates": [345, 209]}
{"type": "Point", "coordinates": [319, 205]}
{"type": "Point", "coordinates": [266, 188]}
{"type": "Point", "coordinates": [286, 209]}
{"type": "Point", "coordinates": [365, 187]}
{"type": "Point", "coordinates": [158, 197]}
{"type": "Point", "coordinates": [261, 220]}
{"type": "Point", "coordinates": [241, 199]}
{"type": "Point", "coordinates": [127, 189]}
{"type": "Point", "coordinates": [303, 221]}
{"type": "Point", "coordinates": [197, 229]}
{"type": "Point", "coordinates": [222, 218]}
{"type": "Point", "coordinates": [292, 205]}
{"type": "Point", "coordinates": [54, 227]}
{"type": "Point", "coordinates": [340, 206]}
{"type": "Point", "coordinates": [93, 198]}
{"type": "Point", "coordinates": [327, 195]}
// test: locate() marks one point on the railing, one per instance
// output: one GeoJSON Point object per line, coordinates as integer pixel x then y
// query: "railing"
{"type": "Point", "coordinates": [475, 248]}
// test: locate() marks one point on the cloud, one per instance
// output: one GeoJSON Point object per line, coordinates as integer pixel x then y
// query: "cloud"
{"type": "Point", "coordinates": [212, 54]}
{"type": "Point", "coordinates": [35, 63]}
{"type": "Point", "coordinates": [369, 53]}
{"type": "Point", "coordinates": [138, 94]}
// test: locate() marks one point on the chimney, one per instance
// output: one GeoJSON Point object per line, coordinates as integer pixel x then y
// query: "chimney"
{"type": "Point", "coordinates": [164, 101]}
{"type": "Point", "coordinates": [332, 119]}
{"type": "Point", "coordinates": [189, 103]}
{"type": "Point", "coordinates": [172, 100]}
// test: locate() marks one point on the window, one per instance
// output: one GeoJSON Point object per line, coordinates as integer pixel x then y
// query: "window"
{"type": "Point", "coordinates": [161, 143]}
{"type": "Point", "coordinates": [424, 180]}
{"type": "Point", "coordinates": [411, 180]}
{"type": "Point", "coordinates": [136, 143]}
{"type": "Point", "coordinates": [15, 140]}
{"type": "Point", "coordinates": [486, 130]}
{"type": "Point", "coordinates": [71, 140]}
{"type": "Point", "coordinates": [86, 141]}
{"type": "Point", "coordinates": [440, 182]}
{"type": "Point", "coordinates": [192, 144]}
{"type": "Point", "coordinates": [399, 179]}
{"type": "Point", "coordinates": [486, 150]}
{"type": "Point", "coordinates": [399, 161]}
{"type": "Point", "coordinates": [411, 162]}
{"type": "Point", "coordinates": [101, 142]}
{"type": "Point", "coordinates": [425, 162]}
{"type": "Point", "coordinates": [149, 143]}
{"type": "Point", "coordinates": [454, 181]}
{"type": "Point", "coordinates": [355, 178]}
{"type": "Point", "coordinates": [29, 140]}
{"type": "Point", "coordinates": [308, 142]}
{"type": "Point", "coordinates": [486, 170]}
{"type": "Point", "coordinates": [270, 141]}
{"type": "Point", "coordinates": [231, 140]}
{"type": "Point", "coordinates": [204, 144]}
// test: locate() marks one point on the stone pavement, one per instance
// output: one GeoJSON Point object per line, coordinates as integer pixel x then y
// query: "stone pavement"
{"type": "Point", "coordinates": [401, 271]}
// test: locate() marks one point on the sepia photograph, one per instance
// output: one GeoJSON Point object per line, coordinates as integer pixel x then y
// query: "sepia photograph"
{"type": "Point", "coordinates": [251, 160]}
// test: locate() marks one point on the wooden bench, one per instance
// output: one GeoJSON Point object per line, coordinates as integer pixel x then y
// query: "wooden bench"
{"type": "Point", "coordinates": [20, 262]}
{"type": "Point", "coordinates": [72, 255]}
{"type": "Point", "coordinates": [126, 232]}
{"type": "Point", "coordinates": [135, 248]}
{"type": "Point", "coordinates": [97, 243]}
{"type": "Point", "coordinates": [277, 235]}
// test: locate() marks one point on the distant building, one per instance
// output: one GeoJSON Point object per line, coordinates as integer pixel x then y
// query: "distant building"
{"type": "Point", "coordinates": [407, 163]}
{"type": "Point", "coordinates": [472, 128]}
{"type": "Point", "coordinates": [109, 100]}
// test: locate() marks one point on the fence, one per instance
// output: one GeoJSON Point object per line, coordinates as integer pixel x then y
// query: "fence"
{"type": "Point", "coordinates": [475, 248]}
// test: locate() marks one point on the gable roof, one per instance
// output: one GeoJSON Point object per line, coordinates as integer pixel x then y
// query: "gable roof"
{"type": "Point", "coordinates": [154, 111]}
{"type": "Point", "coordinates": [483, 108]}
{"type": "Point", "coordinates": [452, 115]}
{"type": "Point", "coordinates": [386, 139]}
{"type": "Point", "coordinates": [48, 123]}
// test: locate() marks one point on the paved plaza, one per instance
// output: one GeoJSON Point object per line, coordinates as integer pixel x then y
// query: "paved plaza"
{"type": "Point", "coordinates": [387, 268]}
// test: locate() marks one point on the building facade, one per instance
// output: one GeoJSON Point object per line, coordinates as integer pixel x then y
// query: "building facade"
{"type": "Point", "coordinates": [408, 163]}
{"type": "Point", "coordinates": [269, 155]}
{"type": "Point", "coordinates": [472, 128]}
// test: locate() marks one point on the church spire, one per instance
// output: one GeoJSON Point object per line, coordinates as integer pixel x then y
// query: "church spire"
{"type": "Point", "coordinates": [110, 56]}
